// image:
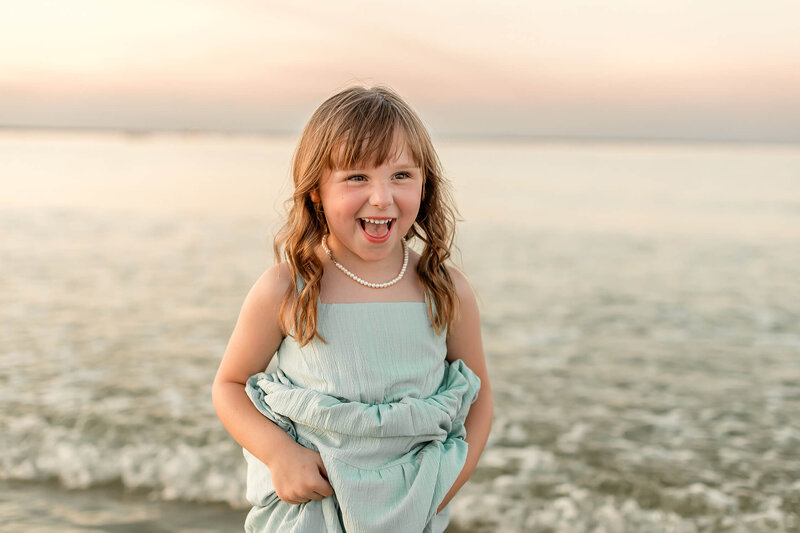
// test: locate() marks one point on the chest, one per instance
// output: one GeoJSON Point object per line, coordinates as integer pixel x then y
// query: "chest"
{"type": "Point", "coordinates": [373, 353]}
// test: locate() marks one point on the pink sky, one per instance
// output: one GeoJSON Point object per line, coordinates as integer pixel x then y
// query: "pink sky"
{"type": "Point", "coordinates": [636, 68]}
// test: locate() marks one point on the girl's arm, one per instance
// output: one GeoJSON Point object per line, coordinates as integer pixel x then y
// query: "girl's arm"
{"type": "Point", "coordinates": [297, 472]}
{"type": "Point", "coordinates": [464, 342]}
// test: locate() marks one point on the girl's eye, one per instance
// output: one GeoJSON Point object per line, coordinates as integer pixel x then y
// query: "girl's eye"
{"type": "Point", "coordinates": [402, 175]}
{"type": "Point", "coordinates": [357, 177]}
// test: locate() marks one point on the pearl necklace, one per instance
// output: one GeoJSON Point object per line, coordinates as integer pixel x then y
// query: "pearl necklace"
{"type": "Point", "coordinates": [364, 282]}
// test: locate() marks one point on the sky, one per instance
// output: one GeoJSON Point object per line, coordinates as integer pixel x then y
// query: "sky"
{"type": "Point", "coordinates": [678, 69]}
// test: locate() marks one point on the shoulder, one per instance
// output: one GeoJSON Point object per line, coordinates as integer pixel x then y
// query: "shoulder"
{"type": "Point", "coordinates": [272, 285]}
{"type": "Point", "coordinates": [467, 313]}
{"type": "Point", "coordinates": [258, 332]}
{"type": "Point", "coordinates": [463, 288]}
{"type": "Point", "coordinates": [464, 333]}
{"type": "Point", "coordinates": [274, 282]}
{"type": "Point", "coordinates": [267, 294]}
{"type": "Point", "coordinates": [461, 283]}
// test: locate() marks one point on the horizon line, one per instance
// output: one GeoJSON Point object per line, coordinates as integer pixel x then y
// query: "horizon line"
{"type": "Point", "coordinates": [444, 136]}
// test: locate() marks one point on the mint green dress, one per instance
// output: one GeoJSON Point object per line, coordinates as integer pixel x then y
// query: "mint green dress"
{"type": "Point", "coordinates": [384, 409]}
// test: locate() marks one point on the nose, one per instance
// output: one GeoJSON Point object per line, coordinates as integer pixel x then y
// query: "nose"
{"type": "Point", "coordinates": [381, 195]}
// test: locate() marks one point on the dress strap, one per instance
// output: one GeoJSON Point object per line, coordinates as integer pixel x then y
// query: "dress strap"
{"type": "Point", "coordinates": [299, 282]}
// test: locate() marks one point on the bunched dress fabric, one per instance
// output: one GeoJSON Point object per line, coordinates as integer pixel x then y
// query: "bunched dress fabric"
{"type": "Point", "coordinates": [384, 409]}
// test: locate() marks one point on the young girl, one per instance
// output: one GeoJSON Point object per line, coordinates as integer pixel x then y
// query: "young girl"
{"type": "Point", "coordinates": [374, 419]}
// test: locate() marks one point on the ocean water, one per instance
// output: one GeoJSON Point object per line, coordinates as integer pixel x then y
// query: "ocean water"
{"type": "Point", "coordinates": [640, 307]}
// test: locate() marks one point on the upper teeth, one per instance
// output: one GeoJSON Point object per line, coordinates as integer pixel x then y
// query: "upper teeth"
{"type": "Point", "coordinates": [377, 221]}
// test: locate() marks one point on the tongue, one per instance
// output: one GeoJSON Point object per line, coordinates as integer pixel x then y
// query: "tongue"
{"type": "Point", "coordinates": [375, 230]}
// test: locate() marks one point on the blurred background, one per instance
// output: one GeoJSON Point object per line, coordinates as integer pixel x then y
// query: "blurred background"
{"type": "Point", "coordinates": [628, 174]}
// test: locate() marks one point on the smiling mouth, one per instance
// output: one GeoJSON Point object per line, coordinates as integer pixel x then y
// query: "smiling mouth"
{"type": "Point", "coordinates": [376, 222]}
{"type": "Point", "coordinates": [376, 227]}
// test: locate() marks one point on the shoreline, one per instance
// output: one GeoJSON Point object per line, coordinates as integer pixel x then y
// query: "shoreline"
{"type": "Point", "coordinates": [42, 507]}
{"type": "Point", "coordinates": [46, 506]}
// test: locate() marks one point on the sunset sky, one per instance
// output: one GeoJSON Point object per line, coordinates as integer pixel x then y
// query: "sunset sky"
{"type": "Point", "coordinates": [716, 69]}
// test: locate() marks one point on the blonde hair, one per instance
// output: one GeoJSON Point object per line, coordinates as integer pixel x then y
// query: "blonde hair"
{"type": "Point", "coordinates": [356, 126]}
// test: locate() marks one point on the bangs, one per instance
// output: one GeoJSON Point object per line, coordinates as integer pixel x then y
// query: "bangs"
{"type": "Point", "coordinates": [371, 137]}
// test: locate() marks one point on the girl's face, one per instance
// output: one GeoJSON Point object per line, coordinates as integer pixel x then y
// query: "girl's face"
{"type": "Point", "coordinates": [370, 209]}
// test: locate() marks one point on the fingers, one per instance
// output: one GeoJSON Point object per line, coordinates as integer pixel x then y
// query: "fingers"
{"type": "Point", "coordinates": [297, 500]}
{"type": "Point", "coordinates": [317, 490]}
{"type": "Point", "coordinates": [327, 488]}
{"type": "Point", "coordinates": [321, 489]}
{"type": "Point", "coordinates": [322, 469]}
{"type": "Point", "coordinates": [302, 477]}
{"type": "Point", "coordinates": [312, 496]}
{"type": "Point", "coordinates": [324, 489]}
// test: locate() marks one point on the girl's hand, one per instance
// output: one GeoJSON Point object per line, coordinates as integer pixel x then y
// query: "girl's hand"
{"type": "Point", "coordinates": [299, 476]}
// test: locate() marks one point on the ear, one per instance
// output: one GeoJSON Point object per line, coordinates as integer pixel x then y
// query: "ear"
{"type": "Point", "coordinates": [314, 195]}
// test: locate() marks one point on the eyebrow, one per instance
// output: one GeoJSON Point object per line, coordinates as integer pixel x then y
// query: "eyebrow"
{"type": "Point", "coordinates": [401, 166]}
{"type": "Point", "coordinates": [406, 166]}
